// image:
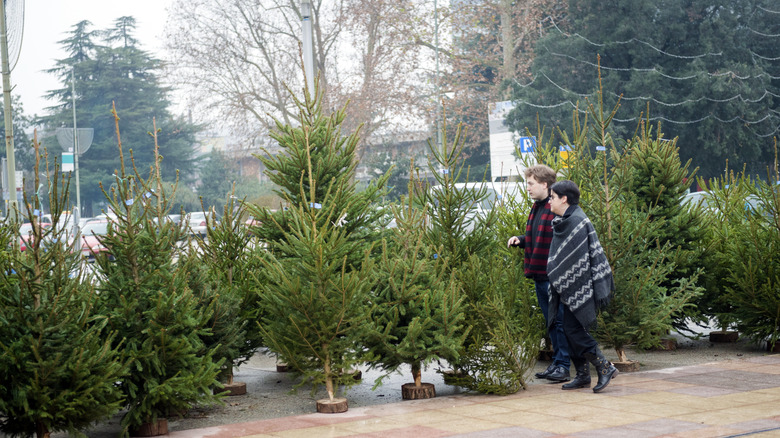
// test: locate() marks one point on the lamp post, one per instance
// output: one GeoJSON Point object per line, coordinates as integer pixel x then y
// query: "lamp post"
{"type": "Point", "coordinates": [308, 50]}
{"type": "Point", "coordinates": [9, 130]}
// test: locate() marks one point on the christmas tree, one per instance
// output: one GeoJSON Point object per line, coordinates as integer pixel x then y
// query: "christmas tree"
{"type": "Point", "coordinates": [643, 305]}
{"type": "Point", "coordinates": [314, 303]}
{"type": "Point", "coordinates": [224, 275]}
{"type": "Point", "coordinates": [58, 359]}
{"type": "Point", "coordinates": [504, 329]}
{"type": "Point", "coordinates": [418, 314]}
{"type": "Point", "coordinates": [145, 295]}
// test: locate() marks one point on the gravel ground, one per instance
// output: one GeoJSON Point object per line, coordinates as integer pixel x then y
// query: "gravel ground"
{"type": "Point", "coordinates": [268, 392]}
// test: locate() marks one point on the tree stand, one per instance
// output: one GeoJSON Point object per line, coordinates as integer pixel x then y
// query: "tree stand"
{"type": "Point", "coordinates": [281, 367]}
{"type": "Point", "coordinates": [623, 364]}
{"type": "Point", "coordinates": [335, 406]}
{"type": "Point", "coordinates": [160, 427]}
{"type": "Point", "coordinates": [232, 388]}
{"type": "Point", "coordinates": [417, 390]}
{"type": "Point", "coordinates": [724, 336]}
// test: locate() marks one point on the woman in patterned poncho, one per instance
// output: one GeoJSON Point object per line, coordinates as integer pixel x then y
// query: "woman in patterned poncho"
{"type": "Point", "coordinates": [581, 278]}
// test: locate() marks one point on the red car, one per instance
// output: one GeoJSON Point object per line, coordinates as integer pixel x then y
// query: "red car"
{"type": "Point", "coordinates": [26, 234]}
{"type": "Point", "coordinates": [90, 238]}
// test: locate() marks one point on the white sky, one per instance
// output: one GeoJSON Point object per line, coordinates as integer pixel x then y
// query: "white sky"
{"type": "Point", "coordinates": [49, 21]}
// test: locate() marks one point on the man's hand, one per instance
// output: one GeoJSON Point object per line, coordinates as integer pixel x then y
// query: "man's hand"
{"type": "Point", "coordinates": [513, 242]}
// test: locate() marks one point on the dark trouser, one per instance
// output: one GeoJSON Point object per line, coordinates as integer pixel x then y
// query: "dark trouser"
{"type": "Point", "coordinates": [581, 343]}
{"type": "Point", "coordinates": [556, 330]}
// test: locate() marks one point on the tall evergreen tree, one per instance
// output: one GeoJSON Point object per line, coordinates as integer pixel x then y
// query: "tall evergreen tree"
{"type": "Point", "coordinates": [145, 295]}
{"type": "Point", "coordinates": [315, 303]}
{"type": "Point", "coordinates": [708, 69]}
{"type": "Point", "coordinates": [109, 67]}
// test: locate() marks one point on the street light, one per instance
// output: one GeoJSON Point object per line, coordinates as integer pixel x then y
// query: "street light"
{"type": "Point", "coordinates": [308, 52]}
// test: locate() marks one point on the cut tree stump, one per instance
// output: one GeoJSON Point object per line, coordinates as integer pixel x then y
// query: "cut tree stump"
{"type": "Point", "coordinates": [281, 367]}
{"type": "Point", "coordinates": [335, 406]}
{"type": "Point", "coordinates": [411, 392]}
{"type": "Point", "coordinates": [152, 429]}
{"type": "Point", "coordinates": [235, 388]}
{"type": "Point", "coordinates": [667, 344]}
{"type": "Point", "coordinates": [724, 336]}
{"type": "Point", "coordinates": [629, 366]}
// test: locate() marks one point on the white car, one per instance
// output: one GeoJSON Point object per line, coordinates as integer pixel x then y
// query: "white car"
{"type": "Point", "coordinates": [197, 222]}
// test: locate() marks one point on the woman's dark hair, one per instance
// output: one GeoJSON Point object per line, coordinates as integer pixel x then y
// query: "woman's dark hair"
{"type": "Point", "coordinates": [568, 189]}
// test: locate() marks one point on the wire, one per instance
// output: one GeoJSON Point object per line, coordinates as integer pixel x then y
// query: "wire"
{"type": "Point", "coordinates": [629, 41]}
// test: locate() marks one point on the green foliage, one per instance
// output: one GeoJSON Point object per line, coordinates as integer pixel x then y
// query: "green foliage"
{"type": "Point", "coordinates": [314, 304]}
{"type": "Point", "coordinates": [223, 277]}
{"type": "Point", "coordinates": [418, 307]}
{"type": "Point", "coordinates": [147, 300]}
{"type": "Point", "coordinates": [58, 360]}
{"type": "Point", "coordinates": [109, 67]}
{"type": "Point", "coordinates": [752, 254]}
{"type": "Point", "coordinates": [505, 330]}
{"type": "Point", "coordinates": [316, 159]}
{"type": "Point", "coordinates": [707, 67]}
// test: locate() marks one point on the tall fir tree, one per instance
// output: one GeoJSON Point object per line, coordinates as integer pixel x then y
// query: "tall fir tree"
{"type": "Point", "coordinates": [145, 295]}
{"type": "Point", "coordinates": [109, 67]}
{"type": "Point", "coordinates": [315, 300]}
{"type": "Point", "coordinates": [59, 361]}
{"type": "Point", "coordinates": [505, 331]}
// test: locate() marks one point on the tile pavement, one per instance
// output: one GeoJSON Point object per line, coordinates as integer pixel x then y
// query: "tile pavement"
{"type": "Point", "coordinates": [739, 398]}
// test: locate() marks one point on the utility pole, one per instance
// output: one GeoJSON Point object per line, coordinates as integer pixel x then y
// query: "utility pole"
{"type": "Point", "coordinates": [75, 143]}
{"type": "Point", "coordinates": [439, 107]}
{"type": "Point", "coordinates": [9, 129]}
{"type": "Point", "coordinates": [308, 50]}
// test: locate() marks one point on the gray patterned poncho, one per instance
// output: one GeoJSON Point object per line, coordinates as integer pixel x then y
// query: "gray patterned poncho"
{"type": "Point", "coordinates": [577, 267]}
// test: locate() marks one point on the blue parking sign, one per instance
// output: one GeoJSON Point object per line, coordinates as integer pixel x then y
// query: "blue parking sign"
{"type": "Point", "coordinates": [527, 144]}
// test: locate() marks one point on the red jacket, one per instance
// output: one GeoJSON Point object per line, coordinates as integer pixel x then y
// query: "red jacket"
{"type": "Point", "coordinates": [536, 242]}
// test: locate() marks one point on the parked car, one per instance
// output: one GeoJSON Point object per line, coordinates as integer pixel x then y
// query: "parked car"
{"type": "Point", "coordinates": [91, 235]}
{"type": "Point", "coordinates": [197, 222]}
{"type": "Point", "coordinates": [26, 234]}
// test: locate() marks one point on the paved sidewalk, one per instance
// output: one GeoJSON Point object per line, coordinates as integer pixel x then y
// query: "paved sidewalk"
{"type": "Point", "coordinates": [723, 399]}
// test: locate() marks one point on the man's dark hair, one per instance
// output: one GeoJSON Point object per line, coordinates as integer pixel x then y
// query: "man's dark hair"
{"type": "Point", "coordinates": [568, 189]}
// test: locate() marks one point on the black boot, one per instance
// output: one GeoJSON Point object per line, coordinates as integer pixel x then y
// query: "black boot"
{"type": "Point", "coordinates": [605, 369]}
{"type": "Point", "coordinates": [582, 379]}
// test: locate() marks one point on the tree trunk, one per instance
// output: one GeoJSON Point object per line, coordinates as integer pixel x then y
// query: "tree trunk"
{"type": "Point", "coordinates": [417, 374]}
{"type": "Point", "coordinates": [41, 431]}
{"type": "Point", "coordinates": [328, 374]}
{"type": "Point", "coordinates": [621, 354]}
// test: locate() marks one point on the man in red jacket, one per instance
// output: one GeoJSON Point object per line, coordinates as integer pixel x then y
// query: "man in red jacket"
{"type": "Point", "coordinates": [536, 242]}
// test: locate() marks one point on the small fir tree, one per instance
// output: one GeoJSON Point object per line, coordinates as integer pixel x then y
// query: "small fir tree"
{"type": "Point", "coordinates": [753, 283]}
{"type": "Point", "coordinates": [659, 181]}
{"type": "Point", "coordinates": [145, 295]}
{"type": "Point", "coordinates": [418, 314]}
{"type": "Point", "coordinates": [58, 361]}
{"type": "Point", "coordinates": [504, 330]}
{"type": "Point", "coordinates": [224, 276]}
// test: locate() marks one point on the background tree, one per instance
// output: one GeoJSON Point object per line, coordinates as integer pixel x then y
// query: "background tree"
{"type": "Point", "coordinates": [492, 46]}
{"type": "Point", "coordinates": [217, 176]}
{"type": "Point", "coordinates": [238, 57]}
{"type": "Point", "coordinates": [707, 68]}
{"type": "Point", "coordinates": [110, 67]}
